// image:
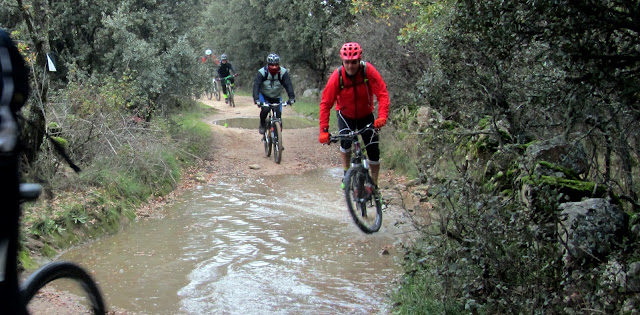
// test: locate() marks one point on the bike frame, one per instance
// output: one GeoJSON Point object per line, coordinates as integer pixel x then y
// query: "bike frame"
{"type": "Point", "coordinates": [359, 188]}
{"type": "Point", "coordinates": [215, 85]}
{"type": "Point", "coordinates": [359, 155]}
{"type": "Point", "coordinates": [272, 112]}
{"type": "Point", "coordinates": [228, 84]}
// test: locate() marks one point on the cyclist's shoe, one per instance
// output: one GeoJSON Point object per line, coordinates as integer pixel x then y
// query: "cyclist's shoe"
{"type": "Point", "coordinates": [342, 184]}
{"type": "Point", "coordinates": [226, 101]}
{"type": "Point", "coordinates": [262, 130]}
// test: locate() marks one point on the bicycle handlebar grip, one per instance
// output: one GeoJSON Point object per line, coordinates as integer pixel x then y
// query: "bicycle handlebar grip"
{"type": "Point", "coordinates": [30, 192]}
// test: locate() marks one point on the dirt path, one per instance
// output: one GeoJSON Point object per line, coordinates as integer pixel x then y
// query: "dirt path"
{"type": "Point", "coordinates": [236, 149]}
{"type": "Point", "coordinates": [239, 152]}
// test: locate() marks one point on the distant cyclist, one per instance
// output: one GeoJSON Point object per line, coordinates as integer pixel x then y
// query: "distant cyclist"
{"type": "Point", "coordinates": [268, 85]}
{"type": "Point", "coordinates": [351, 88]}
{"type": "Point", "coordinates": [210, 59]}
{"type": "Point", "coordinates": [224, 71]}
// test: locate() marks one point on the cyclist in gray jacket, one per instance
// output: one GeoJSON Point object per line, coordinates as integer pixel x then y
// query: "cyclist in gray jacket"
{"type": "Point", "coordinates": [268, 85]}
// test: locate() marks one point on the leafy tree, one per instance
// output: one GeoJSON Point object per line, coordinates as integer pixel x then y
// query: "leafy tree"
{"type": "Point", "coordinates": [304, 33]}
{"type": "Point", "coordinates": [522, 70]}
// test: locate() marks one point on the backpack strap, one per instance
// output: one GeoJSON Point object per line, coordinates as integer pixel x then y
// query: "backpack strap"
{"type": "Point", "coordinates": [265, 73]}
{"type": "Point", "coordinates": [364, 74]}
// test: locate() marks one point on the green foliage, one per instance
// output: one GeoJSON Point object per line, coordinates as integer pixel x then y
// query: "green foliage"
{"type": "Point", "coordinates": [122, 167]}
{"type": "Point", "coordinates": [399, 152]}
{"type": "Point", "coordinates": [306, 34]}
{"type": "Point", "coordinates": [25, 260]}
{"type": "Point", "coordinates": [519, 71]}
{"type": "Point", "coordinates": [419, 294]}
{"type": "Point", "coordinates": [61, 141]}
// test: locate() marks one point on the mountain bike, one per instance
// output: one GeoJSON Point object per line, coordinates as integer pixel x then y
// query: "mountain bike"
{"type": "Point", "coordinates": [272, 135]}
{"type": "Point", "coordinates": [212, 90]}
{"type": "Point", "coordinates": [360, 191]}
{"type": "Point", "coordinates": [14, 296]}
{"type": "Point", "coordinates": [230, 91]}
{"type": "Point", "coordinates": [49, 272]}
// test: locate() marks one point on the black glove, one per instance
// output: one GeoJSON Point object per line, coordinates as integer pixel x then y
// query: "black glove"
{"type": "Point", "coordinates": [258, 103]}
{"type": "Point", "coordinates": [291, 101]}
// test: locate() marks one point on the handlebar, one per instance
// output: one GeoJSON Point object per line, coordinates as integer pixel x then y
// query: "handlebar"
{"type": "Point", "coordinates": [227, 77]}
{"type": "Point", "coordinates": [267, 104]}
{"type": "Point", "coordinates": [352, 134]}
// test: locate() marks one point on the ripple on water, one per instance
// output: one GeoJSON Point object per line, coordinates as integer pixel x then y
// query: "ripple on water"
{"type": "Point", "coordinates": [278, 245]}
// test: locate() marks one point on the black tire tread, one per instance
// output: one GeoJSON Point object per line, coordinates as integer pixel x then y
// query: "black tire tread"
{"type": "Point", "coordinates": [59, 270]}
{"type": "Point", "coordinates": [348, 178]}
{"type": "Point", "coordinates": [277, 143]}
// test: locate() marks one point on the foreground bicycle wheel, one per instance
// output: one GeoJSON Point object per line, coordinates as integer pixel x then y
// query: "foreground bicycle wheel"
{"type": "Point", "coordinates": [277, 143]}
{"type": "Point", "coordinates": [63, 270]}
{"type": "Point", "coordinates": [361, 194]}
{"type": "Point", "coordinates": [266, 139]}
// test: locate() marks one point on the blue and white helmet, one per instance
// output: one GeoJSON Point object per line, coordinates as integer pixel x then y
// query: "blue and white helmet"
{"type": "Point", "coordinates": [273, 59]}
{"type": "Point", "coordinates": [223, 57]}
{"type": "Point", "coordinates": [208, 52]}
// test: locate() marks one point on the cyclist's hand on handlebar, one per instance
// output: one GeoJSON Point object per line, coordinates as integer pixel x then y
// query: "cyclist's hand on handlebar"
{"type": "Point", "coordinates": [258, 103]}
{"type": "Point", "coordinates": [379, 123]}
{"type": "Point", "coordinates": [291, 101]}
{"type": "Point", "coordinates": [324, 137]}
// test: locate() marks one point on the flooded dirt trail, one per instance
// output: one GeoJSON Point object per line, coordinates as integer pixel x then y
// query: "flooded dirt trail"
{"type": "Point", "coordinates": [245, 235]}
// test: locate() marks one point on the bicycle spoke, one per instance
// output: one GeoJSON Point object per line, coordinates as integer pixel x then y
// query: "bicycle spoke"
{"type": "Point", "coordinates": [359, 194]}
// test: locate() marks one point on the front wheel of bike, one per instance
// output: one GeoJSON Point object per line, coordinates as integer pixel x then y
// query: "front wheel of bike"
{"type": "Point", "coordinates": [209, 93]}
{"type": "Point", "coordinates": [216, 91]}
{"type": "Point", "coordinates": [63, 270]}
{"type": "Point", "coordinates": [362, 197]}
{"type": "Point", "coordinates": [277, 143]}
{"type": "Point", "coordinates": [266, 139]}
{"type": "Point", "coordinates": [232, 102]}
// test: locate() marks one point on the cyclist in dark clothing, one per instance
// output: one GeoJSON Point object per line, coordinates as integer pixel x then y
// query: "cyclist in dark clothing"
{"type": "Point", "coordinates": [224, 71]}
{"type": "Point", "coordinates": [268, 85]}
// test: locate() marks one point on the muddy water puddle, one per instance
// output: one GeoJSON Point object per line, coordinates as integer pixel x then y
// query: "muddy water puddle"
{"type": "Point", "coordinates": [276, 245]}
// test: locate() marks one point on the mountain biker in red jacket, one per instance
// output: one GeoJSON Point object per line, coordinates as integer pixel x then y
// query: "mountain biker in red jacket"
{"type": "Point", "coordinates": [353, 98]}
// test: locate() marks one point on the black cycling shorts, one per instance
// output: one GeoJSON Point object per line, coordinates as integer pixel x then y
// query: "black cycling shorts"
{"type": "Point", "coordinates": [369, 137]}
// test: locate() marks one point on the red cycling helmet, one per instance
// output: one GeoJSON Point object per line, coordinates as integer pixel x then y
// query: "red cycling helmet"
{"type": "Point", "coordinates": [351, 51]}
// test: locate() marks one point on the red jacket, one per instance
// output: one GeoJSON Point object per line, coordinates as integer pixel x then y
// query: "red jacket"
{"type": "Point", "coordinates": [358, 105]}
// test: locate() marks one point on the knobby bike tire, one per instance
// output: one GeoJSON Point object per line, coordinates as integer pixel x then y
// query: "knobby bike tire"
{"type": "Point", "coordinates": [266, 138]}
{"type": "Point", "coordinates": [277, 142]}
{"type": "Point", "coordinates": [232, 102]}
{"type": "Point", "coordinates": [209, 93]}
{"type": "Point", "coordinates": [63, 270]}
{"type": "Point", "coordinates": [358, 201]}
{"type": "Point", "coordinates": [216, 91]}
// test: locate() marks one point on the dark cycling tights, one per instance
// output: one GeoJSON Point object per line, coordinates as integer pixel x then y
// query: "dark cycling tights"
{"type": "Point", "coordinates": [370, 139]}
